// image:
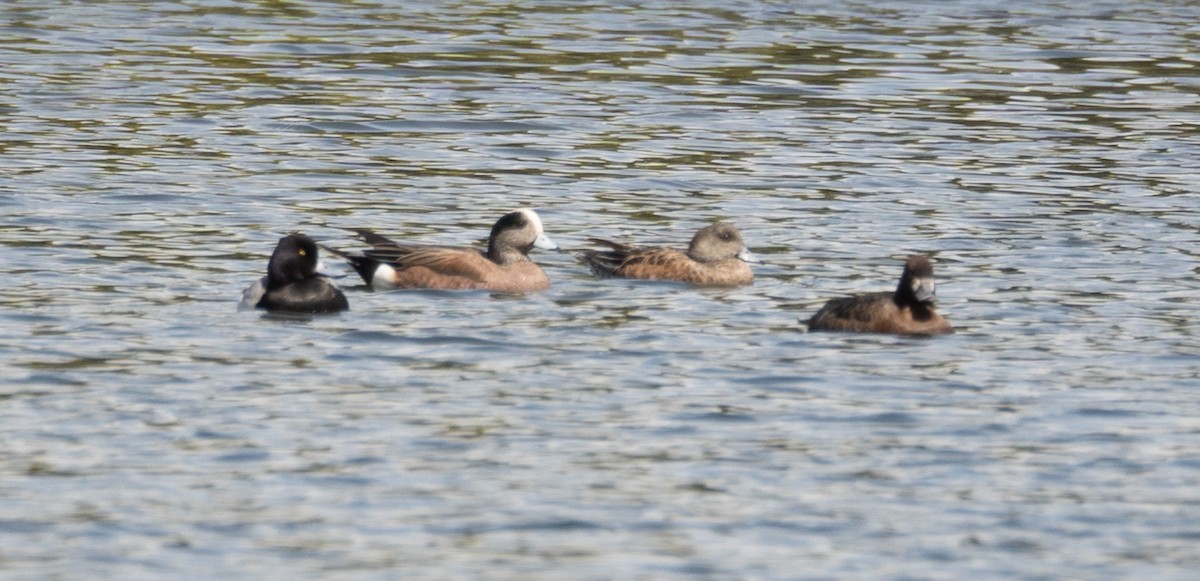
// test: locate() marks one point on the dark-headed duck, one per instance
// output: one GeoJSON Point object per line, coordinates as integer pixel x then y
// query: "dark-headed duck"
{"type": "Point", "coordinates": [716, 257]}
{"type": "Point", "coordinates": [504, 267]}
{"type": "Point", "coordinates": [292, 283]}
{"type": "Point", "coordinates": [909, 310]}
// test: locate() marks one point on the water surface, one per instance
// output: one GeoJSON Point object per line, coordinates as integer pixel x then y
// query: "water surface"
{"type": "Point", "coordinates": [1043, 153]}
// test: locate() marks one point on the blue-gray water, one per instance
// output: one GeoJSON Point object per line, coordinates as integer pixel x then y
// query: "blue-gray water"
{"type": "Point", "coordinates": [1045, 154]}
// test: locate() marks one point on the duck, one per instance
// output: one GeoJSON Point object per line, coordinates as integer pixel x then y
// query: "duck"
{"type": "Point", "coordinates": [292, 283]}
{"type": "Point", "coordinates": [716, 257]}
{"type": "Point", "coordinates": [504, 267]}
{"type": "Point", "coordinates": [909, 310]}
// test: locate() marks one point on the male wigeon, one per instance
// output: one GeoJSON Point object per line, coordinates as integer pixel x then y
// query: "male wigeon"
{"type": "Point", "coordinates": [505, 267]}
{"type": "Point", "coordinates": [292, 283]}
{"type": "Point", "coordinates": [908, 310]}
{"type": "Point", "coordinates": [716, 257]}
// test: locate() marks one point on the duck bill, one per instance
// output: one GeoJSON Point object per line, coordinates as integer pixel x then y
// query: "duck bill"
{"type": "Point", "coordinates": [544, 242]}
{"type": "Point", "coordinates": [746, 256]}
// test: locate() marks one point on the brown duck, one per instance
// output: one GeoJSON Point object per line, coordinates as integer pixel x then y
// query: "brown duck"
{"type": "Point", "coordinates": [716, 257]}
{"type": "Point", "coordinates": [909, 310]}
{"type": "Point", "coordinates": [504, 267]}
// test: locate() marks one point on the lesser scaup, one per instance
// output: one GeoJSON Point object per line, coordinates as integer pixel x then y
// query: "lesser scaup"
{"type": "Point", "coordinates": [292, 283]}
{"type": "Point", "coordinates": [909, 310]}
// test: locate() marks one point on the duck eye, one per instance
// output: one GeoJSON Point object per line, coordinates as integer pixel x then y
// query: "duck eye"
{"type": "Point", "coordinates": [302, 252]}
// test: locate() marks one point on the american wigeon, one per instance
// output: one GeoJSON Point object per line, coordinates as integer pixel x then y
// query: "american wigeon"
{"type": "Point", "coordinates": [292, 283]}
{"type": "Point", "coordinates": [505, 267]}
{"type": "Point", "coordinates": [908, 310]}
{"type": "Point", "coordinates": [716, 257]}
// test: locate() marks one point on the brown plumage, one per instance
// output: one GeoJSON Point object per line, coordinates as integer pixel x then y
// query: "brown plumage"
{"type": "Point", "coordinates": [909, 310]}
{"type": "Point", "coordinates": [716, 257]}
{"type": "Point", "coordinates": [504, 267]}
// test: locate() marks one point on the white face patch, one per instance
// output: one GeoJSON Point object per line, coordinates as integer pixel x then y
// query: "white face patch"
{"type": "Point", "coordinates": [533, 219]}
{"type": "Point", "coordinates": [384, 277]}
{"type": "Point", "coordinates": [923, 289]}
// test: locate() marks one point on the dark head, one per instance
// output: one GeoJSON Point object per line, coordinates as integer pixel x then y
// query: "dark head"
{"type": "Point", "coordinates": [718, 242]}
{"type": "Point", "coordinates": [916, 284]}
{"type": "Point", "coordinates": [517, 232]}
{"type": "Point", "coordinates": [295, 258]}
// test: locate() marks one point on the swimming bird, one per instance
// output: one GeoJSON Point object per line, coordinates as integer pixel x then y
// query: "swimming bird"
{"type": "Point", "coordinates": [909, 310]}
{"type": "Point", "coordinates": [504, 267]}
{"type": "Point", "coordinates": [715, 257]}
{"type": "Point", "coordinates": [292, 283]}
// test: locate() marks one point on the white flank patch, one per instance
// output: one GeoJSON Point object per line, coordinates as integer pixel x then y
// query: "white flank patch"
{"type": "Point", "coordinates": [384, 277]}
{"type": "Point", "coordinates": [253, 294]}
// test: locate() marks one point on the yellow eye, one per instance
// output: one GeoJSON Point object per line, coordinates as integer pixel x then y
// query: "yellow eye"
{"type": "Point", "coordinates": [302, 252]}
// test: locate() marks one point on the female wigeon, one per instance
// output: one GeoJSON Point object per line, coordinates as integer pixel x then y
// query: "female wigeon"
{"type": "Point", "coordinates": [505, 267]}
{"type": "Point", "coordinates": [292, 283]}
{"type": "Point", "coordinates": [716, 257]}
{"type": "Point", "coordinates": [907, 311]}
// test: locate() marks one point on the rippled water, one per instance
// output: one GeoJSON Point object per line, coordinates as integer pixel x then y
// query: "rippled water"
{"type": "Point", "coordinates": [1044, 153]}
